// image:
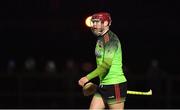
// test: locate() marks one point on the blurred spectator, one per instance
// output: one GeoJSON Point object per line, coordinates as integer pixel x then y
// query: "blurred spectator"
{"type": "Point", "coordinates": [11, 66]}
{"type": "Point", "coordinates": [71, 73]}
{"type": "Point", "coordinates": [155, 77]}
{"type": "Point", "coordinates": [50, 67]}
{"type": "Point", "coordinates": [71, 69]}
{"type": "Point", "coordinates": [154, 69]}
{"type": "Point", "coordinates": [87, 67]}
{"type": "Point", "coordinates": [30, 65]}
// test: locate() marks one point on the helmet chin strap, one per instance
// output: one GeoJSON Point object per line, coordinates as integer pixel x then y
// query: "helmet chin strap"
{"type": "Point", "coordinates": [104, 31]}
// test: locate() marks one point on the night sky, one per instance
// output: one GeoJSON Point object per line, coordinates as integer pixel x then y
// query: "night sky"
{"type": "Point", "coordinates": [55, 29]}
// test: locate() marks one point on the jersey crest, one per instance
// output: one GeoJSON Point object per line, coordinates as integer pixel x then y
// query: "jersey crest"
{"type": "Point", "coordinates": [106, 38]}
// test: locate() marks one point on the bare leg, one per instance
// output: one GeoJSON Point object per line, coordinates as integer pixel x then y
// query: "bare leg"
{"type": "Point", "coordinates": [117, 106]}
{"type": "Point", "coordinates": [97, 103]}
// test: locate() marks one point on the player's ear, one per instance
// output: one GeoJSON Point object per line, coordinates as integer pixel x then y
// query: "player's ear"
{"type": "Point", "coordinates": [106, 23]}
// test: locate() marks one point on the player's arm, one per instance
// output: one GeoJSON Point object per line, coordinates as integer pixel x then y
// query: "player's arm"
{"type": "Point", "coordinates": [110, 50]}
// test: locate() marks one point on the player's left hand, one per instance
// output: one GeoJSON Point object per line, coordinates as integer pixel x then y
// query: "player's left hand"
{"type": "Point", "coordinates": [82, 81]}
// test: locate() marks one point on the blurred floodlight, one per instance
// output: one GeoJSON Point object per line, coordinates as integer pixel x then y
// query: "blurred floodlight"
{"type": "Point", "coordinates": [88, 21]}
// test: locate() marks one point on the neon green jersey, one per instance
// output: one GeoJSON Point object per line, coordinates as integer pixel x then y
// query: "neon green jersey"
{"type": "Point", "coordinates": [109, 60]}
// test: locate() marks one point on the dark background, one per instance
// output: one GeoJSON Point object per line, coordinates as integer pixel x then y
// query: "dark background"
{"type": "Point", "coordinates": [55, 30]}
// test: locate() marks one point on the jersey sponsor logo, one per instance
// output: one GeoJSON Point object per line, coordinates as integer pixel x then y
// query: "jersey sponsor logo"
{"type": "Point", "coordinates": [99, 48]}
{"type": "Point", "coordinates": [110, 97]}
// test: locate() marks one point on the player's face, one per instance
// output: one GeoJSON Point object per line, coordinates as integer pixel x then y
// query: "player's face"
{"type": "Point", "coordinates": [97, 27]}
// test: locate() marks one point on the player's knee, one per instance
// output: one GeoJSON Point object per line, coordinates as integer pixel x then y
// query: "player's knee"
{"type": "Point", "coordinates": [97, 103]}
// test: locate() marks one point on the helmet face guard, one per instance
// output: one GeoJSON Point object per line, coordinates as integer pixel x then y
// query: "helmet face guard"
{"type": "Point", "coordinates": [102, 16]}
{"type": "Point", "coordinates": [99, 17]}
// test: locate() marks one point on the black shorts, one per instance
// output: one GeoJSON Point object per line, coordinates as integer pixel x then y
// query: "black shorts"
{"type": "Point", "coordinates": [112, 94]}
